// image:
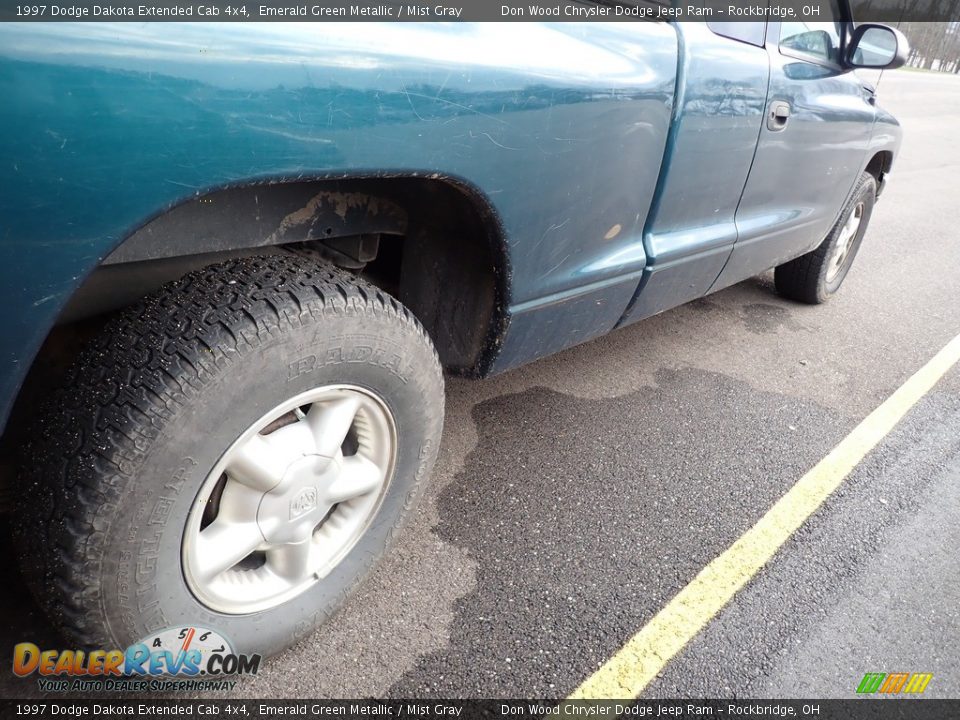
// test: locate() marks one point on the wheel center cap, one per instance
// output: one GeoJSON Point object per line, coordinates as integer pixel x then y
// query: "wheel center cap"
{"type": "Point", "coordinates": [291, 511]}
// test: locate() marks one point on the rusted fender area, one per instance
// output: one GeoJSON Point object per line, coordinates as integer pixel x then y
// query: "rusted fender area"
{"type": "Point", "coordinates": [270, 214]}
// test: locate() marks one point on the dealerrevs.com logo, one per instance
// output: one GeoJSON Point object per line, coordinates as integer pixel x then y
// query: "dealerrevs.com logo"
{"type": "Point", "coordinates": [192, 658]}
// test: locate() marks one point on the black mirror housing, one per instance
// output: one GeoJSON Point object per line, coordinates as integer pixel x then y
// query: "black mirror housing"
{"type": "Point", "coordinates": [877, 47]}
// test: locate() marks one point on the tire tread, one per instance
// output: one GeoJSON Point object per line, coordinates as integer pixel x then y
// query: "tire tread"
{"type": "Point", "coordinates": [133, 379]}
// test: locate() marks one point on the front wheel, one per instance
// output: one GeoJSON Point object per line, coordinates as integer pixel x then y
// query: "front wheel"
{"type": "Point", "coordinates": [234, 453]}
{"type": "Point", "coordinates": [813, 278]}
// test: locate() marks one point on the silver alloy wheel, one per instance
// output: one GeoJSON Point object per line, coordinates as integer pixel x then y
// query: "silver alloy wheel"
{"type": "Point", "coordinates": [289, 499]}
{"type": "Point", "coordinates": [848, 234]}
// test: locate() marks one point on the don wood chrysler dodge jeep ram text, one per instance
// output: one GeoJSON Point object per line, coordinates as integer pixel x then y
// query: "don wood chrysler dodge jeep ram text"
{"type": "Point", "coordinates": [237, 259]}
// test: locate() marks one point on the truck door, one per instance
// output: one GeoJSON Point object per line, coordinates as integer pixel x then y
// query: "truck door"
{"type": "Point", "coordinates": [690, 229]}
{"type": "Point", "coordinates": [812, 147]}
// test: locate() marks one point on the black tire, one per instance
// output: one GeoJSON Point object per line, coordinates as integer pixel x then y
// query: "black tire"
{"type": "Point", "coordinates": [810, 278]}
{"type": "Point", "coordinates": [149, 408]}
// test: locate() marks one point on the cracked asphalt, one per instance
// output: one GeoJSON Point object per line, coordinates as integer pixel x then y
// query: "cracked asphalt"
{"type": "Point", "coordinates": [574, 497]}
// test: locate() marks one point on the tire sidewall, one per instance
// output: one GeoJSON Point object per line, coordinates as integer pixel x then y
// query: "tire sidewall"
{"type": "Point", "coordinates": [866, 194]}
{"type": "Point", "coordinates": [143, 581]}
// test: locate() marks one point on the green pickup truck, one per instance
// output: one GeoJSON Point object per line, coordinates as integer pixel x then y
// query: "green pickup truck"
{"type": "Point", "coordinates": [238, 259]}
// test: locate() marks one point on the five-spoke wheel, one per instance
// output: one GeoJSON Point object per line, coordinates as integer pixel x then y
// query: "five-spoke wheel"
{"type": "Point", "coordinates": [289, 499]}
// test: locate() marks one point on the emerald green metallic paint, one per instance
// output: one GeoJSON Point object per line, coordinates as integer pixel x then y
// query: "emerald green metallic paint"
{"type": "Point", "coordinates": [612, 157]}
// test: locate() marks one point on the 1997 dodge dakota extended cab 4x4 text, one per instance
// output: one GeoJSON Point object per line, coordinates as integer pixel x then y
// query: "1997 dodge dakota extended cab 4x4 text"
{"type": "Point", "coordinates": [276, 238]}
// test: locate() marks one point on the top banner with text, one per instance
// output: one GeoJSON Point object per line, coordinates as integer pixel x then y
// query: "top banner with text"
{"type": "Point", "coordinates": [888, 11]}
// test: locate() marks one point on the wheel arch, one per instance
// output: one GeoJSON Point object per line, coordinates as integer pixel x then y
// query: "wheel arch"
{"type": "Point", "coordinates": [437, 232]}
{"type": "Point", "coordinates": [880, 164]}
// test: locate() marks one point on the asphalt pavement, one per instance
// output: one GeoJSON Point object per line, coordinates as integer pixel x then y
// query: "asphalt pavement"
{"type": "Point", "coordinates": [574, 497]}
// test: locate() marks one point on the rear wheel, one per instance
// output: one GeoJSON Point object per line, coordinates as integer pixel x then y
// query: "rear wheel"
{"type": "Point", "coordinates": [235, 453]}
{"type": "Point", "coordinates": [814, 277]}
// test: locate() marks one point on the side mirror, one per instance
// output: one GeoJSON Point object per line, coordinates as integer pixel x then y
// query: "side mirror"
{"type": "Point", "coordinates": [877, 47]}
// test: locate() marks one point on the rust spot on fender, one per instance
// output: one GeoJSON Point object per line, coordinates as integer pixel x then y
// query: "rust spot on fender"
{"type": "Point", "coordinates": [326, 205]}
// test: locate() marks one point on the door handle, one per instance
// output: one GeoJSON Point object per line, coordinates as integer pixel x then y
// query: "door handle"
{"type": "Point", "coordinates": [778, 116]}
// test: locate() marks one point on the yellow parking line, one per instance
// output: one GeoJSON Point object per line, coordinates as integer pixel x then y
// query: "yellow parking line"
{"type": "Point", "coordinates": [628, 672]}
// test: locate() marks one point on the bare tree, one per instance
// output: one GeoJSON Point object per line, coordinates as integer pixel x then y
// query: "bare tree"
{"type": "Point", "coordinates": [934, 45]}
{"type": "Point", "coordinates": [932, 26]}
